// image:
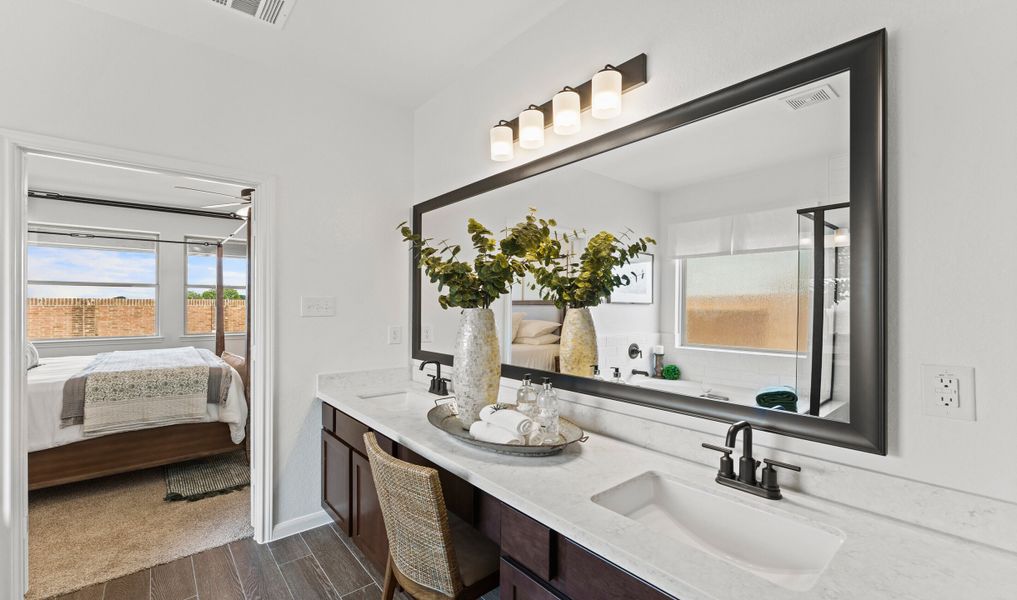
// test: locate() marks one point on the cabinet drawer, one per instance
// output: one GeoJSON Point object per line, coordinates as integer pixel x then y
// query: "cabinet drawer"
{"type": "Point", "coordinates": [583, 574]}
{"type": "Point", "coordinates": [327, 418]}
{"type": "Point", "coordinates": [350, 431]}
{"type": "Point", "coordinates": [516, 585]}
{"type": "Point", "coordinates": [527, 541]}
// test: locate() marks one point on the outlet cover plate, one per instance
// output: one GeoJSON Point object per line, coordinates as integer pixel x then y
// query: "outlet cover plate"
{"type": "Point", "coordinates": [317, 306]}
{"type": "Point", "coordinates": [395, 334]}
{"type": "Point", "coordinates": [949, 391]}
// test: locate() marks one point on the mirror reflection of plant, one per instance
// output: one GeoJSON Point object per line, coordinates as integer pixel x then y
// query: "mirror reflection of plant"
{"type": "Point", "coordinates": [476, 283]}
{"type": "Point", "coordinates": [587, 280]}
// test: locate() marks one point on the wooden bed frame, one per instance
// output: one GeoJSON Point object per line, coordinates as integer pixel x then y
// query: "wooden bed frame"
{"type": "Point", "coordinates": [125, 452]}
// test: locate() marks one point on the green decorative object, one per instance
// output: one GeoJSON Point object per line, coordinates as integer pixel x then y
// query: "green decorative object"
{"type": "Point", "coordinates": [671, 372]}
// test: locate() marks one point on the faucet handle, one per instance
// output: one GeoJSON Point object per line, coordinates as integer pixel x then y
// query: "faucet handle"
{"type": "Point", "coordinates": [776, 463]}
{"type": "Point", "coordinates": [726, 470]}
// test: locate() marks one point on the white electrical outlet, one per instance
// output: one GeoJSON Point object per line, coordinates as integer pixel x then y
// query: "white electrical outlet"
{"type": "Point", "coordinates": [949, 391]}
{"type": "Point", "coordinates": [395, 334]}
{"type": "Point", "coordinates": [317, 306]}
{"type": "Point", "coordinates": [426, 334]}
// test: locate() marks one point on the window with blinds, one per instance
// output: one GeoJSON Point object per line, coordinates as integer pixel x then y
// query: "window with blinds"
{"type": "Point", "coordinates": [200, 313]}
{"type": "Point", "coordinates": [85, 285]}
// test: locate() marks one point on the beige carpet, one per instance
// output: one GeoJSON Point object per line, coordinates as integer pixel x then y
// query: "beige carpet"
{"type": "Point", "coordinates": [94, 531]}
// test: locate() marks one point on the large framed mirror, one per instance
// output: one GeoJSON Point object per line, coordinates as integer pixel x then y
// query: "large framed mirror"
{"type": "Point", "coordinates": [765, 288]}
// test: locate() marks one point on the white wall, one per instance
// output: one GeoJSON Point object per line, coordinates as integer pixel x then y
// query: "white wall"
{"type": "Point", "coordinates": [950, 172]}
{"type": "Point", "coordinates": [343, 162]}
{"type": "Point", "coordinates": [170, 265]}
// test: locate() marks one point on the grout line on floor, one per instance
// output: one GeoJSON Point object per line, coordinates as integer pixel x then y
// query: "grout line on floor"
{"type": "Point", "coordinates": [194, 576]}
{"type": "Point", "coordinates": [236, 571]}
{"type": "Point", "coordinates": [350, 550]}
{"type": "Point", "coordinates": [318, 562]}
{"type": "Point", "coordinates": [150, 582]}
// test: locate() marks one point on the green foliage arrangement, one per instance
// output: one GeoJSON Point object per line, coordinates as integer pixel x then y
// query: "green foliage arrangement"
{"type": "Point", "coordinates": [671, 372]}
{"type": "Point", "coordinates": [477, 283]}
{"type": "Point", "coordinates": [584, 281]}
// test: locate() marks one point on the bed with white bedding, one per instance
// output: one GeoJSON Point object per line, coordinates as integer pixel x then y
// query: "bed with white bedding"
{"type": "Point", "coordinates": [62, 450]}
{"type": "Point", "coordinates": [543, 357]}
{"type": "Point", "coordinates": [45, 402]}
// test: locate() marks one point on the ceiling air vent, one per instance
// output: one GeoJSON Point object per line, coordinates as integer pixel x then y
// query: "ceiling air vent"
{"type": "Point", "coordinates": [273, 12]}
{"type": "Point", "coordinates": [812, 97]}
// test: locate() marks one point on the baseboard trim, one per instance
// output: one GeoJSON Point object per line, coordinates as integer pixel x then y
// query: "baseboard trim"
{"type": "Point", "coordinates": [299, 524]}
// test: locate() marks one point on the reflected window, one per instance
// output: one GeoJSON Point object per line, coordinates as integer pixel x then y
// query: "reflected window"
{"type": "Point", "coordinates": [741, 301]}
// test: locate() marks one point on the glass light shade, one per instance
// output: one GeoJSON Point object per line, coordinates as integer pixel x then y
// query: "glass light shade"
{"type": "Point", "coordinates": [531, 128]}
{"type": "Point", "coordinates": [607, 90]}
{"type": "Point", "coordinates": [501, 143]}
{"type": "Point", "coordinates": [566, 109]}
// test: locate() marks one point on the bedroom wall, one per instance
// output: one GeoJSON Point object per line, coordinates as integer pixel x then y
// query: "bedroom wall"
{"type": "Point", "coordinates": [939, 240]}
{"type": "Point", "coordinates": [342, 159]}
{"type": "Point", "coordinates": [170, 311]}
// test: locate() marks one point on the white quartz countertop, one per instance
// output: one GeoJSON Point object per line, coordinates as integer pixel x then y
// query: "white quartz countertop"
{"type": "Point", "coordinates": [880, 557]}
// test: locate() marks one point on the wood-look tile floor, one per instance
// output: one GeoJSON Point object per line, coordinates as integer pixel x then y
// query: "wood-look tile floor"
{"type": "Point", "coordinates": [317, 564]}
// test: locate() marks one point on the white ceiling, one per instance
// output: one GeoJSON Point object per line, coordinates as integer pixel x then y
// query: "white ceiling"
{"type": "Point", "coordinates": [745, 139]}
{"type": "Point", "coordinates": [399, 51]}
{"type": "Point", "coordinates": [78, 177]}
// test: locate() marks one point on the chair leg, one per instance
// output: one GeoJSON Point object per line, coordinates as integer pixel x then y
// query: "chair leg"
{"type": "Point", "coordinates": [390, 582]}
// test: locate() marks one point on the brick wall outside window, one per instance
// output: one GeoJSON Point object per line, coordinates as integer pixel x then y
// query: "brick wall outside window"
{"type": "Point", "coordinates": [63, 318]}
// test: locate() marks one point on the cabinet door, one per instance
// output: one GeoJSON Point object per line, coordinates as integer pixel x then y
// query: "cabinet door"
{"type": "Point", "coordinates": [335, 480]}
{"type": "Point", "coordinates": [516, 585]}
{"type": "Point", "coordinates": [583, 574]}
{"type": "Point", "coordinates": [368, 524]}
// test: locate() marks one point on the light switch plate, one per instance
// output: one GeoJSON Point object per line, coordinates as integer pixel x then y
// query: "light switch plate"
{"type": "Point", "coordinates": [317, 306]}
{"type": "Point", "coordinates": [949, 391]}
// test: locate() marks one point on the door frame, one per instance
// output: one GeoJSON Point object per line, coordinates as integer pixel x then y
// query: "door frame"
{"type": "Point", "coordinates": [13, 426]}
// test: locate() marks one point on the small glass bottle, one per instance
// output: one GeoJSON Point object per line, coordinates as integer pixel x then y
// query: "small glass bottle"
{"type": "Point", "coordinates": [547, 412]}
{"type": "Point", "coordinates": [526, 397]}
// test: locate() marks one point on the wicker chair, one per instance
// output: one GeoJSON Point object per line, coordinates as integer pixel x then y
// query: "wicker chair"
{"type": "Point", "coordinates": [432, 555]}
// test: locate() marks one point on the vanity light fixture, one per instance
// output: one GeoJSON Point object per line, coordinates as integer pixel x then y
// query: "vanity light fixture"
{"type": "Point", "coordinates": [607, 91]}
{"type": "Point", "coordinates": [601, 95]}
{"type": "Point", "coordinates": [531, 128]}
{"type": "Point", "coordinates": [501, 141]}
{"type": "Point", "coordinates": [566, 108]}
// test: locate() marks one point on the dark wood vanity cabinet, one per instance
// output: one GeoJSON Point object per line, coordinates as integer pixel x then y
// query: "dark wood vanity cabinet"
{"type": "Point", "coordinates": [537, 563]}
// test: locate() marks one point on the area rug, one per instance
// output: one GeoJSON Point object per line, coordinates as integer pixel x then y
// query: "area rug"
{"type": "Point", "coordinates": [93, 531]}
{"type": "Point", "coordinates": [207, 477]}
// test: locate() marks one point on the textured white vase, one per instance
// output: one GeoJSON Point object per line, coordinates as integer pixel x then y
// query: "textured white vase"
{"type": "Point", "coordinates": [578, 343]}
{"type": "Point", "coordinates": [477, 364]}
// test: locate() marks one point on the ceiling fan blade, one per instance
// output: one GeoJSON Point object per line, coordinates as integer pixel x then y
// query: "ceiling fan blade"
{"type": "Point", "coordinates": [184, 187]}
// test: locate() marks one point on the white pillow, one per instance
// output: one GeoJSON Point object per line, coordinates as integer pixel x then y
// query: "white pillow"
{"type": "Point", "coordinates": [536, 328]}
{"type": "Point", "coordinates": [540, 340]}
{"type": "Point", "coordinates": [517, 318]}
{"type": "Point", "coordinates": [31, 356]}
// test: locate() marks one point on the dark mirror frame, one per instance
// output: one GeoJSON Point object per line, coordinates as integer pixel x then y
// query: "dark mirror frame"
{"type": "Point", "coordinates": [865, 58]}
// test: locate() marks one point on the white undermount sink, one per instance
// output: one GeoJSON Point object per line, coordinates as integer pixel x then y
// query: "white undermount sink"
{"type": "Point", "coordinates": [394, 400]}
{"type": "Point", "coordinates": [787, 550]}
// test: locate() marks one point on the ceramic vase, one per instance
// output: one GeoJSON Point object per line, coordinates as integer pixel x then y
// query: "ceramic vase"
{"type": "Point", "coordinates": [477, 364]}
{"type": "Point", "coordinates": [578, 343]}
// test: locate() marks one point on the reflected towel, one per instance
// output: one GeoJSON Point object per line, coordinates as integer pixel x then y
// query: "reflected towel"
{"type": "Point", "coordinates": [506, 418]}
{"type": "Point", "coordinates": [486, 432]}
{"type": "Point", "coordinates": [782, 397]}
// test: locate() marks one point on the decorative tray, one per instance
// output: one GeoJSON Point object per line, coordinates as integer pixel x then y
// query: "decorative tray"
{"type": "Point", "coordinates": [443, 416]}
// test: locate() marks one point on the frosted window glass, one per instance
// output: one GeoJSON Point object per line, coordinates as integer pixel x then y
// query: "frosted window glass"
{"type": "Point", "coordinates": [743, 301]}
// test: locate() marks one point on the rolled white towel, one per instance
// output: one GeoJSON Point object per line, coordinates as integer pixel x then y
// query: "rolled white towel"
{"type": "Point", "coordinates": [506, 418]}
{"type": "Point", "coordinates": [487, 432]}
{"type": "Point", "coordinates": [535, 438]}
